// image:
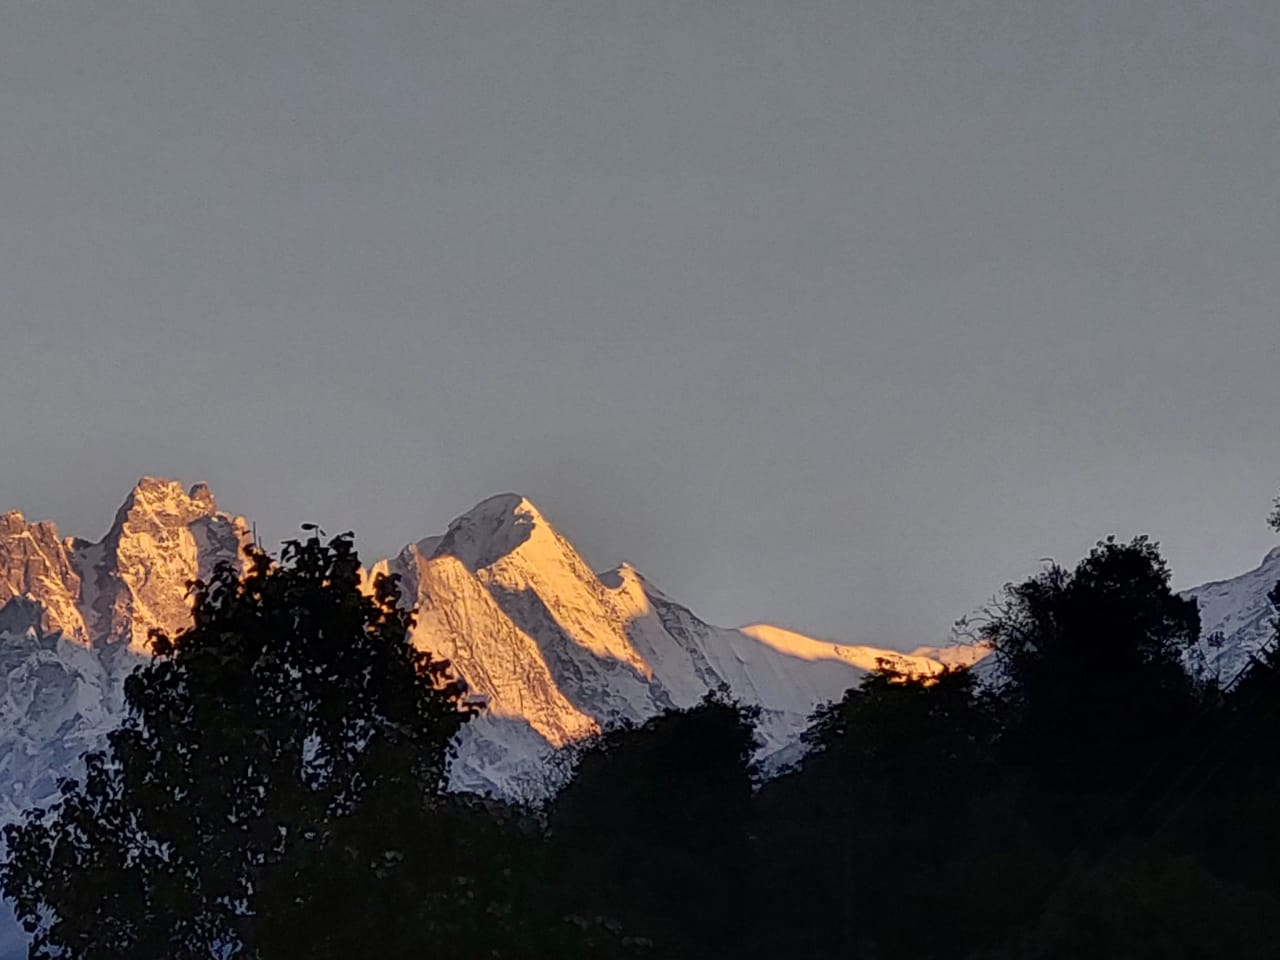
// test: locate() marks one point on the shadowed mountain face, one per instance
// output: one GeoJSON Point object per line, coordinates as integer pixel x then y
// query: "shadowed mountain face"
{"type": "Point", "coordinates": [556, 651]}
{"type": "Point", "coordinates": [1235, 619]}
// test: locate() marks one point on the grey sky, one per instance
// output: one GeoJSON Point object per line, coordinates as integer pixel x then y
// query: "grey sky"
{"type": "Point", "coordinates": [832, 314]}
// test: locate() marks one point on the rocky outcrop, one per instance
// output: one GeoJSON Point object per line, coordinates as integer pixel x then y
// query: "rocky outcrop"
{"type": "Point", "coordinates": [36, 565]}
{"type": "Point", "coordinates": [138, 578]}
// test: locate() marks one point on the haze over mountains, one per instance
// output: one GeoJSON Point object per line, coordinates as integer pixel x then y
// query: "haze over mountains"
{"type": "Point", "coordinates": [555, 650]}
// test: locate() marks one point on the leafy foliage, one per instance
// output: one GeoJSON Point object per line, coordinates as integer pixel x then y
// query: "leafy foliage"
{"type": "Point", "coordinates": [276, 792]}
{"type": "Point", "coordinates": [232, 810]}
{"type": "Point", "coordinates": [1150, 909]}
{"type": "Point", "coordinates": [653, 828]}
{"type": "Point", "coordinates": [892, 787]}
{"type": "Point", "coordinates": [1096, 692]}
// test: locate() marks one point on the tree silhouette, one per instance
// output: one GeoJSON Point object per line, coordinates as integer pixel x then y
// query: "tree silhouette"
{"type": "Point", "coordinates": [254, 802]}
{"type": "Point", "coordinates": [653, 829]}
{"type": "Point", "coordinates": [277, 791]}
{"type": "Point", "coordinates": [1096, 697]}
{"type": "Point", "coordinates": [892, 797]}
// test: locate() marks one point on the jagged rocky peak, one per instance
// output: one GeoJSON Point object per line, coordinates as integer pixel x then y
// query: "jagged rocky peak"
{"type": "Point", "coordinates": [555, 650]}
{"type": "Point", "coordinates": [161, 500]}
{"type": "Point", "coordinates": [36, 566]}
{"type": "Point", "coordinates": [164, 537]}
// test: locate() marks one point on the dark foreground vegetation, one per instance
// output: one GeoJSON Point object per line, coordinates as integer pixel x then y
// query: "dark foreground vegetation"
{"type": "Point", "coordinates": [275, 793]}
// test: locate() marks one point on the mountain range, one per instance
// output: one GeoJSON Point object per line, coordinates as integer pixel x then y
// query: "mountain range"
{"type": "Point", "coordinates": [555, 651]}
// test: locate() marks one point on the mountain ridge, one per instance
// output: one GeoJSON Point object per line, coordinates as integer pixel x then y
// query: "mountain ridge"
{"type": "Point", "coordinates": [555, 651]}
{"type": "Point", "coordinates": [1236, 619]}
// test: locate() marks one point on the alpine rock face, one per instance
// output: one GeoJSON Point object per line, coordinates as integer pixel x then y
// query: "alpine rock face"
{"type": "Point", "coordinates": [37, 566]}
{"type": "Point", "coordinates": [75, 617]}
{"type": "Point", "coordinates": [555, 651]}
{"type": "Point", "coordinates": [136, 579]}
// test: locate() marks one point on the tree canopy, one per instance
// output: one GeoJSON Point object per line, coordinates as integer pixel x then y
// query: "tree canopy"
{"type": "Point", "coordinates": [259, 747]}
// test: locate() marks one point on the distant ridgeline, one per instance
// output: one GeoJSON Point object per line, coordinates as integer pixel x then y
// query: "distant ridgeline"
{"type": "Point", "coordinates": [555, 651]}
{"type": "Point", "coordinates": [280, 782]}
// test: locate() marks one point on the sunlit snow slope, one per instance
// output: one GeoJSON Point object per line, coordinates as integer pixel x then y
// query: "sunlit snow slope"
{"type": "Point", "coordinates": [556, 651]}
{"type": "Point", "coordinates": [559, 652]}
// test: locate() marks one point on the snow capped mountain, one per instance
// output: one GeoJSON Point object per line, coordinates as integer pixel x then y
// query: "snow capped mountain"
{"type": "Point", "coordinates": [37, 566]}
{"type": "Point", "coordinates": [559, 652]}
{"type": "Point", "coordinates": [136, 579]}
{"type": "Point", "coordinates": [1235, 619]}
{"type": "Point", "coordinates": [556, 651]}
{"type": "Point", "coordinates": [57, 700]}
{"type": "Point", "coordinates": [75, 617]}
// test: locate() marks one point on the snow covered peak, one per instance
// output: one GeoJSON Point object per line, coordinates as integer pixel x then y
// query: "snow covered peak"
{"type": "Point", "coordinates": [137, 579]}
{"type": "Point", "coordinates": [35, 566]}
{"type": "Point", "coordinates": [165, 501]}
{"type": "Point", "coordinates": [1235, 619]}
{"type": "Point", "coordinates": [491, 530]}
{"type": "Point", "coordinates": [556, 651]}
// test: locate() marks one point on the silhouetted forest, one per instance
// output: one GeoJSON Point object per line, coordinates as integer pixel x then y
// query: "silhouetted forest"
{"type": "Point", "coordinates": [276, 793]}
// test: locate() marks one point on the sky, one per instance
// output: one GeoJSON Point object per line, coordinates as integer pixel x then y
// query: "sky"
{"type": "Point", "coordinates": [832, 314]}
